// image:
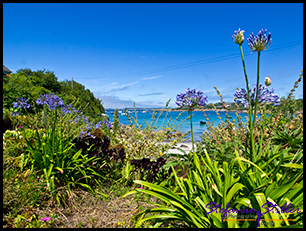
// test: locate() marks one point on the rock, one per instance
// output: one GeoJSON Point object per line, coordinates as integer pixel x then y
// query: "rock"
{"type": "Point", "coordinates": [178, 133]}
{"type": "Point", "coordinates": [184, 146]}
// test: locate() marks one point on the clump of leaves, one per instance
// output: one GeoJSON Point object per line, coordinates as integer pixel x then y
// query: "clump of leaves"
{"type": "Point", "coordinates": [97, 132]}
{"type": "Point", "coordinates": [150, 170]}
{"type": "Point", "coordinates": [95, 146]}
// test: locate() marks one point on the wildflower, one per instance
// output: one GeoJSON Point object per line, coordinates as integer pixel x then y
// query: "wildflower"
{"type": "Point", "coordinates": [191, 98]}
{"type": "Point", "coordinates": [238, 36]}
{"type": "Point", "coordinates": [45, 219]}
{"type": "Point", "coordinates": [15, 113]}
{"type": "Point", "coordinates": [108, 124]}
{"type": "Point", "coordinates": [268, 81]}
{"type": "Point", "coordinates": [51, 100]}
{"type": "Point", "coordinates": [141, 187]}
{"type": "Point", "coordinates": [98, 125]}
{"type": "Point", "coordinates": [264, 95]}
{"type": "Point", "coordinates": [67, 109]}
{"type": "Point", "coordinates": [261, 42]}
{"type": "Point", "coordinates": [21, 103]}
{"type": "Point", "coordinates": [77, 119]}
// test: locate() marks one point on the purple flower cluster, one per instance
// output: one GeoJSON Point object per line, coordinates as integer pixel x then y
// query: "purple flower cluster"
{"type": "Point", "coordinates": [191, 99]}
{"type": "Point", "coordinates": [51, 100]}
{"type": "Point", "coordinates": [21, 103]}
{"type": "Point", "coordinates": [68, 109]}
{"type": "Point", "coordinates": [106, 122]}
{"type": "Point", "coordinates": [91, 125]}
{"type": "Point", "coordinates": [261, 42]}
{"type": "Point", "coordinates": [264, 95]}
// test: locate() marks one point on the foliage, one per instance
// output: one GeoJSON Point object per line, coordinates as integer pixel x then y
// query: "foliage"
{"type": "Point", "coordinates": [254, 166]}
{"type": "Point", "coordinates": [31, 84]}
{"type": "Point", "coordinates": [116, 121]}
{"type": "Point", "coordinates": [146, 142]}
{"type": "Point", "coordinates": [237, 184]}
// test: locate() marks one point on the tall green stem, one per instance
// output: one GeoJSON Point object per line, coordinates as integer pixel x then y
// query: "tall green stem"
{"type": "Point", "coordinates": [191, 130]}
{"type": "Point", "coordinates": [251, 127]}
{"type": "Point", "coordinates": [257, 84]}
{"type": "Point", "coordinates": [256, 101]}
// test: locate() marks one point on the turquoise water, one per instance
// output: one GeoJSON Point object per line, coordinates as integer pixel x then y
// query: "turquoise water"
{"type": "Point", "coordinates": [198, 116]}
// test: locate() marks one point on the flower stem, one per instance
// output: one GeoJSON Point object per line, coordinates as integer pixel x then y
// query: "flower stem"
{"type": "Point", "coordinates": [191, 130]}
{"type": "Point", "coordinates": [256, 99]}
{"type": "Point", "coordinates": [251, 127]}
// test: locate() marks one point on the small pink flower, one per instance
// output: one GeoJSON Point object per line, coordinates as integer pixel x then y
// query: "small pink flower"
{"type": "Point", "coordinates": [45, 219]}
{"type": "Point", "coordinates": [141, 187]}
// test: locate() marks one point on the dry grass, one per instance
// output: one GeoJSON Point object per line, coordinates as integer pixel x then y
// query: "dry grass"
{"type": "Point", "coordinates": [88, 211]}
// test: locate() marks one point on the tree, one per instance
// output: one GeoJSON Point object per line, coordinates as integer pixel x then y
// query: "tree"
{"type": "Point", "coordinates": [43, 78]}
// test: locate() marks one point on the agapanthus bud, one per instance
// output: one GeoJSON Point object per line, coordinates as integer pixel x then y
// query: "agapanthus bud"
{"type": "Point", "coordinates": [238, 36]}
{"type": "Point", "coordinates": [268, 81]}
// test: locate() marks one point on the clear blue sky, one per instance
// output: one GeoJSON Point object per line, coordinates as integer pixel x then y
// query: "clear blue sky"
{"type": "Point", "coordinates": [147, 53]}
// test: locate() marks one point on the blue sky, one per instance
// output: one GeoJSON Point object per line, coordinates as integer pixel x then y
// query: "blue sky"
{"type": "Point", "coordinates": [148, 53]}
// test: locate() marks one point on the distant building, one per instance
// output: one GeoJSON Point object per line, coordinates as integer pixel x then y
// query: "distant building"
{"type": "Point", "coordinates": [6, 71]}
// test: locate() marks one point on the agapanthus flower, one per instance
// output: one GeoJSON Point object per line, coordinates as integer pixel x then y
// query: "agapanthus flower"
{"type": "Point", "coordinates": [191, 99]}
{"type": "Point", "coordinates": [98, 125]}
{"type": "Point", "coordinates": [51, 100]}
{"type": "Point", "coordinates": [238, 36]}
{"type": "Point", "coordinates": [261, 42]}
{"type": "Point", "coordinates": [15, 113]}
{"type": "Point", "coordinates": [67, 109]}
{"type": "Point", "coordinates": [108, 124]}
{"type": "Point", "coordinates": [264, 95]}
{"type": "Point", "coordinates": [77, 119]}
{"type": "Point", "coordinates": [21, 103]}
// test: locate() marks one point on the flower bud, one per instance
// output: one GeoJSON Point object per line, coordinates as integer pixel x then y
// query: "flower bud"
{"type": "Point", "coordinates": [238, 36]}
{"type": "Point", "coordinates": [268, 81]}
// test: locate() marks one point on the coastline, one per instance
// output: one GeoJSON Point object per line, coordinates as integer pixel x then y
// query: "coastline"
{"type": "Point", "coordinates": [203, 110]}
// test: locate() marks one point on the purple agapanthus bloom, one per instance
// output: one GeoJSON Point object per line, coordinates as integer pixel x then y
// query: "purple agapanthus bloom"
{"type": "Point", "coordinates": [21, 103]}
{"type": "Point", "coordinates": [108, 124]}
{"type": "Point", "coordinates": [98, 125]}
{"type": "Point", "coordinates": [264, 95]}
{"type": "Point", "coordinates": [77, 119]}
{"type": "Point", "coordinates": [67, 109]}
{"type": "Point", "coordinates": [15, 113]}
{"type": "Point", "coordinates": [191, 98]}
{"type": "Point", "coordinates": [51, 100]}
{"type": "Point", "coordinates": [261, 42]}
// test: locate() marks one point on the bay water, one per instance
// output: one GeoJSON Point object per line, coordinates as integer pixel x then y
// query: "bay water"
{"type": "Point", "coordinates": [198, 116]}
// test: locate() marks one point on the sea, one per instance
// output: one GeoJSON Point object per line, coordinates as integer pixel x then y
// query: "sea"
{"type": "Point", "coordinates": [198, 128]}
